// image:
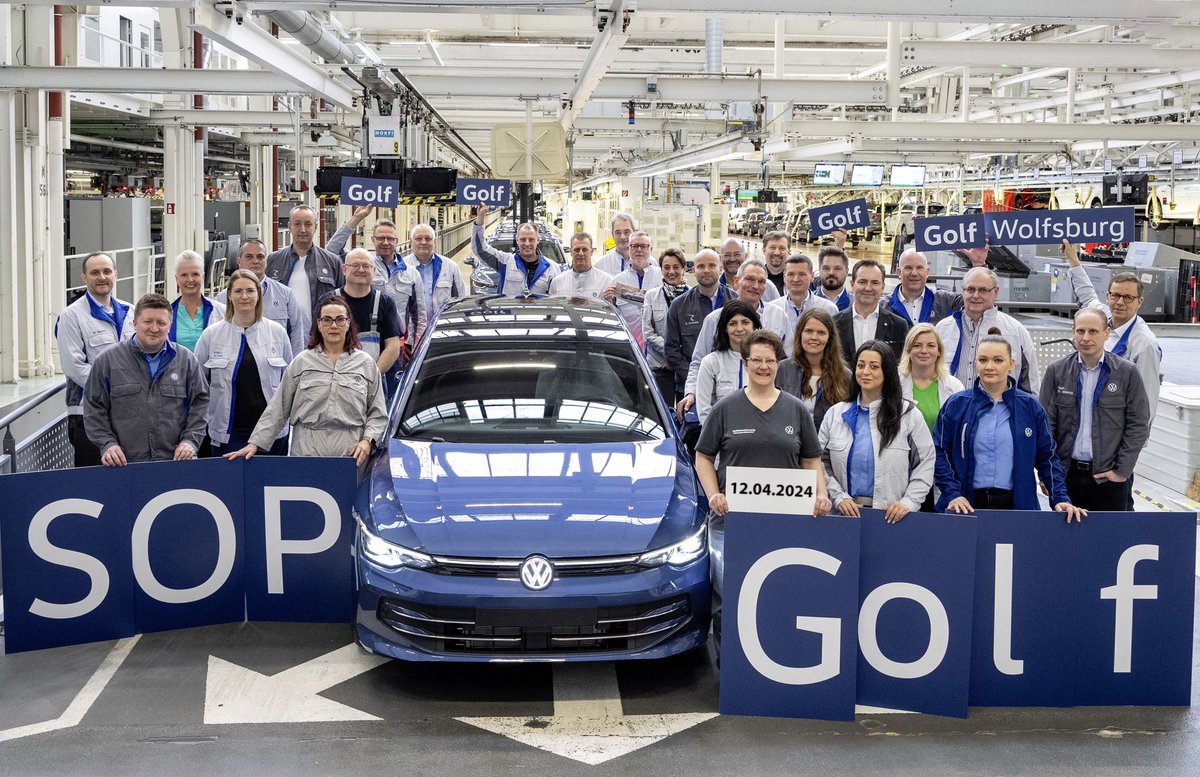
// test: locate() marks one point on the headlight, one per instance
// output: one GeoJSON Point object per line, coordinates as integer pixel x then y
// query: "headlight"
{"type": "Point", "coordinates": [683, 552]}
{"type": "Point", "coordinates": [389, 555]}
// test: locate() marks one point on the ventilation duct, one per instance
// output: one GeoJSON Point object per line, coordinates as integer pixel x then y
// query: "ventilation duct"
{"type": "Point", "coordinates": [714, 40]}
{"type": "Point", "coordinates": [302, 26]}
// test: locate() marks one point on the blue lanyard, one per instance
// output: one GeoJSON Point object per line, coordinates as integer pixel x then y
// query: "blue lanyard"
{"type": "Point", "coordinates": [717, 301]}
{"type": "Point", "coordinates": [1123, 344]}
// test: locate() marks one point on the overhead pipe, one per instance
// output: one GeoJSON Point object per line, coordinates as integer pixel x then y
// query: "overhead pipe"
{"type": "Point", "coordinates": [714, 42]}
{"type": "Point", "coordinates": [304, 27]}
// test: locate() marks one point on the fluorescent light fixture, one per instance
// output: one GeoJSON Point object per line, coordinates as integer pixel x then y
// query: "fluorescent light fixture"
{"type": "Point", "coordinates": [722, 149]}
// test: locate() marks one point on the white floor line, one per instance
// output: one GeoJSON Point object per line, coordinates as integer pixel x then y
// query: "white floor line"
{"type": "Point", "coordinates": [84, 699]}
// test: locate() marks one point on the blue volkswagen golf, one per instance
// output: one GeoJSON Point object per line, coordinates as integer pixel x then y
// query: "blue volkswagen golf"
{"type": "Point", "coordinates": [534, 502]}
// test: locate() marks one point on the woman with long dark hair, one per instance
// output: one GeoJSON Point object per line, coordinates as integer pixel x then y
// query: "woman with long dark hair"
{"type": "Point", "coordinates": [331, 394]}
{"type": "Point", "coordinates": [876, 447]}
{"type": "Point", "coordinates": [723, 372]}
{"type": "Point", "coordinates": [817, 371]}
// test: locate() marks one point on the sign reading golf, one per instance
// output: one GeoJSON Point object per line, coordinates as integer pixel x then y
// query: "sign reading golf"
{"type": "Point", "coordinates": [492, 192]}
{"type": "Point", "coordinates": [852, 214]}
{"type": "Point", "coordinates": [370, 191]}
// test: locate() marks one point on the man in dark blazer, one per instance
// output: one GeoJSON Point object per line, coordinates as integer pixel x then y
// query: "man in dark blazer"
{"type": "Point", "coordinates": [866, 319]}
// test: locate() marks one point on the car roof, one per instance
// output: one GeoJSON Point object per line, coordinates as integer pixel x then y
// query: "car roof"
{"type": "Point", "coordinates": [493, 316]}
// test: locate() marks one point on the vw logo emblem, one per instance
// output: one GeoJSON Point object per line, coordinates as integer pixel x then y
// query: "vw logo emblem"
{"type": "Point", "coordinates": [537, 573]}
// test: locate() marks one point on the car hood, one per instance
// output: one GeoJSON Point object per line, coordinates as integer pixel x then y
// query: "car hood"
{"type": "Point", "coordinates": [509, 501]}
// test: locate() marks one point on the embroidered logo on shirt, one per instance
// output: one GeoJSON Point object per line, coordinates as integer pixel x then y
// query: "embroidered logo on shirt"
{"type": "Point", "coordinates": [742, 431]}
{"type": "Point", "coordinates": [1028, 432]}
{"type": "Point", "coordinates": [789, 430]}
{"type": "Point", "coordinates": [174, 376]}
{"type": "Point", "coordinates": [1112, 387]}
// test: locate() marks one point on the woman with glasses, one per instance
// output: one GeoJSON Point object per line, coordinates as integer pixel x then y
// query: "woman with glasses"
{"type": "Point", "coordinates": [243, 357]}
{"type": "Point", "coordinates": [654, 320]}
{"type": "Point", "coordinates": [722, 372]}
{"type": "Point", "coordinates": [877, 449]}
{"type": "Point", "coordinates": [817, 372]}
{"type": "Point", "coordinates": [989, 440]}
{"type": "Point", "coordinates": [331, 394]}
{"type": "Point", "coordinates": [758, 426]}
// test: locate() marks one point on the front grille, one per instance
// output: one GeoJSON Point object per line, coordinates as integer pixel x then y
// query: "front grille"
{"type": "Point", "coordinates": [535, 630]}
{"type": "Point", "coordinates": [509, 569]}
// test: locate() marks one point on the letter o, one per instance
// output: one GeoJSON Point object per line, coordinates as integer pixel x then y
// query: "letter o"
{"type": "Point", "coordinates": [226, 546]}
{"type": "Point", "coordinates": [939, 630]}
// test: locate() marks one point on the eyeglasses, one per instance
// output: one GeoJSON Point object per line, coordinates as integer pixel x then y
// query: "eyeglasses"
{"type": "Point", "coordinates": [327, 321]}
{"type": "Point", "coordinates": [382, 239]}
{"type": "Point", "coordinates": [737, 255]}
{"type": "Point", "coordinates": [978, 289]}
{"type": "Point", "coordinates": [1128, 299]}
{"type": "Point", "coordinates": [359, 266]}
{"type": "Point", "coordinates": [641, 246]}
{"type": "Point", "coordinates": [754, 361]}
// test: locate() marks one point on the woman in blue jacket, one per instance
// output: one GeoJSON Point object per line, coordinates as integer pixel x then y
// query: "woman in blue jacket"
{"type": "Point", "coordinates": [991, 437]}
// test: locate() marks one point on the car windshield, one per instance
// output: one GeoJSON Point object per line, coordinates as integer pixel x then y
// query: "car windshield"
{"type": "Point", "coordinates": [540, 390]}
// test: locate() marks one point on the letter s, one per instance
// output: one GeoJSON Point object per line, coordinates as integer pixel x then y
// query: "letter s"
{"type": "Point", "coordinates": [829, 629]}
{"type": "Point", "coordinates": [39, 543]}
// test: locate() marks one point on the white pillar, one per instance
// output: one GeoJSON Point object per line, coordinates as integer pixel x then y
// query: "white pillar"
{"type": "Point", "coordinates": [262, 192]}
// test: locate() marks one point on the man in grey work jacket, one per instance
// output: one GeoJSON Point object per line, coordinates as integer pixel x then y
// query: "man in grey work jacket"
{"type": "Point", "coordinates": [85, 329]}
{"type": "Point", "coordinates": [145, 399]}
{"type": "Point", "coordinates": [1099, 416]}
{"type": "Point", "coordinates": [525, 272]}
{"type": "Point", "coordinates": [308, 270]}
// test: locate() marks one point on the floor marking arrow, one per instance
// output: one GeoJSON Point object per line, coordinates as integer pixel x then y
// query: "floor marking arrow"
{"type": "Point", "coordinates": [83, 700]}
{"type": "Point", "coordinates": [234, 694]}
{"type": "Point", "coordinates": [588, 724]}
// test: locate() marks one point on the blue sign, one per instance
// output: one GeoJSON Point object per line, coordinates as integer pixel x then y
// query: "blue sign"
{"type": "Point", "coordinates": [493, 192]}
{"type": "Point", "coordinates": [914, 624]}
{"type": "Point", "coordinates": [790, 595]}
{"type": "Point", "coordinates": [97, 553]}
{"type": "Point", "coordinates": [1026, 227]}
{"type": "Point", "coordinates": [852, 214]}
{"type": "Point", "coordinates": [948, 232]}
{"type": "Point", "coordinates": [370, 191]}
{"type": "Point", "coordinates": [1057, 615]}
{"type": "Point", "coordinates": [1026, 588]}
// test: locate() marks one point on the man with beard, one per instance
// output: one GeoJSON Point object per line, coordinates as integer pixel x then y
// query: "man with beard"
{"type": "Point", "coordinates": [833, 265]}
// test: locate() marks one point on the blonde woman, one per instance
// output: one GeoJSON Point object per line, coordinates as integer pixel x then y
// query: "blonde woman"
{"type": "Point", "coordinates": [924, 376]}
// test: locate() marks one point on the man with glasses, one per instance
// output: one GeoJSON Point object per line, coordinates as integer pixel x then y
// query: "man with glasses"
{"type": "Point", "coordinates": [1129, 336]}
{"type": "Point", "coordinates": [962, 330]}
{"type": "Point", "coordinates": [628, 289]}
{"type": "Point", "coordinates": [404, 282]}
{"type": "Point", "coordinates": [616, 261]}
{"type": "Point", "coordinates": [379, 327]}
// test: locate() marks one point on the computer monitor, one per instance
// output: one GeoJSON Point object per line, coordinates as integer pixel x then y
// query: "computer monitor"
{"type": "Point", "coordinates": [907, 175]}
{"type": "Point", "coordinates": [829, 174]}
{"type": "Point", "coordinates": [866, 175]}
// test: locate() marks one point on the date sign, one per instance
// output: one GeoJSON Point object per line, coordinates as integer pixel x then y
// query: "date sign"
{"type": "Point", "coordinates": [767, 490]}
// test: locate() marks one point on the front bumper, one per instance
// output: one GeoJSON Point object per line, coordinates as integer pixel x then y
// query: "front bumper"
{"type": "Point", "coordinates": [418, 615]}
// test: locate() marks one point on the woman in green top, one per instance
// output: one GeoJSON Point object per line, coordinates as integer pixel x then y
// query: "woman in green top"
{"type": "Point", "coordinates": [925, 378]}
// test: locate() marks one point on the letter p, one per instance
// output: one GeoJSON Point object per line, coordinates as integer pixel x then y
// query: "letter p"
{"type": "Point", "coordinates": [277, 547]}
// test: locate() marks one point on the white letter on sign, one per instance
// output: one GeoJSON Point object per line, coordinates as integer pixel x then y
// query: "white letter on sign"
{"type": "Point", "coordinates": [277, 547]}
{"type": "Point", "coordinates": [828, 628]}
{"type": "Point", "coordinates": [1124, 592]}
{"type": "Point", "coordinates": [1002, 614]}
{"type": "Point", "coordinates": [939, 630]}
{"type": "Point", "coordinates": [39, 543]}
{"type": "Point", "coordinates": [226, 546]}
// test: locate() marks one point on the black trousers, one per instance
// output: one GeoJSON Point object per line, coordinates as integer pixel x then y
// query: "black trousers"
{"type": "Point", "coordinates": [665, 380]}
{"type": "Point", "coordinates": [1086, 492]}
{"type": "Point", "coordinates": [992, 499]}
{"type": "Point", "coordinates": [86, 454]}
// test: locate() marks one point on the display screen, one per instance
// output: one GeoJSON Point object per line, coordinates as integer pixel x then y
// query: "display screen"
{"type": "Point", "coordinates": [866, 175]}
{"type": "Point", "coordinates": [747, 194]}
{"type": "Point", "coordinates": [907, 175]}
{"type": "Point", "coordinates": [827, 174]}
